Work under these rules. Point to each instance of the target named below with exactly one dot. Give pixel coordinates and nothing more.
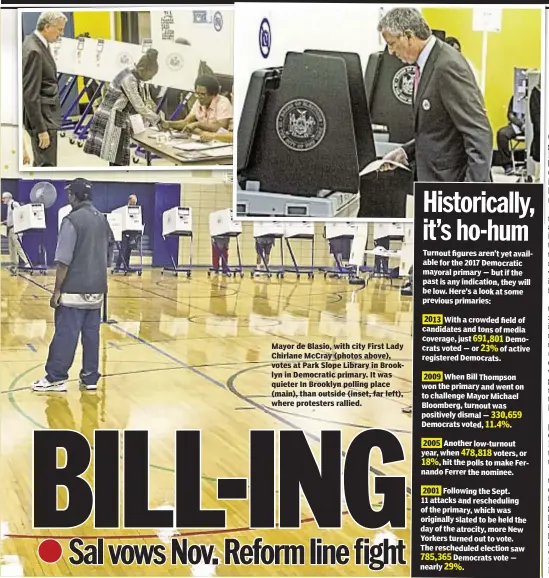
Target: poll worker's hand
(44, 140)
(54, 301)
(191, 127)
(164, 125)
(207, 136)
(396, 156)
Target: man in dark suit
(453, 138)
(41, 105)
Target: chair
(517, 144)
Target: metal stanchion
(105, 318)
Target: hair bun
(152, 54)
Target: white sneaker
(44, 385)
(89, 387)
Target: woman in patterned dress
(110, 132)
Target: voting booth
(131, 223)
(384, 233)
(63, 212)
(131, 218)
(305, 131)
(339, 235)
(274, 230)
(31, 218)
(391, 230)
(390, 89)
(178, 222)
(299, 230)
(358, 250)
(340, 230)
(407, 250)
(297, 131)
(223, 226)
(305, 231)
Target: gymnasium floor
(192, 354)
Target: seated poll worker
(221, 135)
(453, 137)
(111, 130)
(210, 112)
(513, 129)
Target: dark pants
(125, 253)
(381, 264)
(44, 157)
(220, 253)
(70, 323)
(504, 138)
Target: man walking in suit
(453, 138)
(41, 104)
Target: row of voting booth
(308, 130)
(383, 234)
(177, 221)
(98, 62)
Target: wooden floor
(191, 354)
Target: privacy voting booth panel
(365, 147)
(222, 224)
(269, 229)
(115, 223)
(131, 217)
(297, 132)
(102, 60)
(337, 230)
(31, 217)
(177, 221)
(390, 89)
(210, 33)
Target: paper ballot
(376, 165)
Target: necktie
(416, 79)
